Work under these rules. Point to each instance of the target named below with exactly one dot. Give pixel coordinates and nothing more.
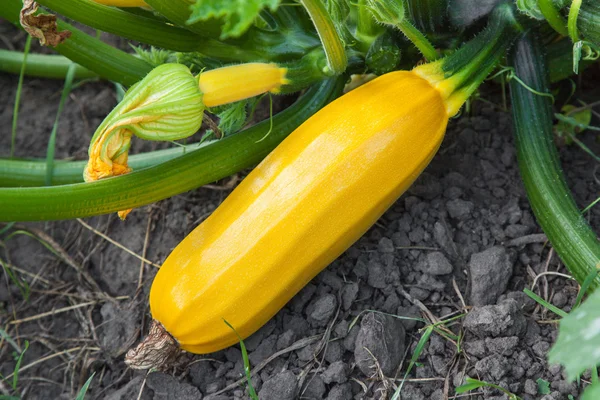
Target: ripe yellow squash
(305, 204)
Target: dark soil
(462, 241)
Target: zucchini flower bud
(239, 82)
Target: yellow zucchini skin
(299, 209)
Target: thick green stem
(337, 61)
(550, 198)
(89, 52)
(552, 15)
(207, 164)
(125, 24)
(458, 75)
(31, 173)
(418, 39)
(572, 21)
(146, 30)
(41, 65)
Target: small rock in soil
(282, 386)
(166, 387)
(315, 388)
(286, 339)
(130, 391)
(489, 273)
(202, 373)
(340, 392)
(459, 209)
(505, 319)
(503, 345)
(349, 295)
(531, 387)
(494, 366)
(119, 329)
(386, 245)
(383, 336)
(336, 372)
(321, 311)
(265, 349)
(438, 264)
(256, 338)
(377, 275)
(476, 348)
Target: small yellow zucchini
(305, 204)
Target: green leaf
(543, 386)
(232, 117)
(577, 345)
(592, 392)
(238, 15)
(471, 384)
(85, 387)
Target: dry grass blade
(119, 245)
(60, 252)
(51, 356)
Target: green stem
(337, 61)
(194, 169)
(367, 30)
(41, 65)
(15, 118)
(145, 30)
(50, 151)
(91, 53)
(572, 21)
(31, 173)
(553, 205)
(552, 15)
(418, 39)
(458, 75)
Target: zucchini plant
(352, 155)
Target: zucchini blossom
(165, 105)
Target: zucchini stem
(552, 15)
(418, 39)
(41, 65)
(458, 75)
(572, 21)
(337, 61)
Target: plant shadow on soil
(466, 216)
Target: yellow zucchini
(305, 204)
(309, 200)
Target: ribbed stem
(572, 21)
(418, 39)
(89, 52)
(458, 75)
(550, 198)
(337, 61)
(41, 65)
(553, 17)
(194, 169)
